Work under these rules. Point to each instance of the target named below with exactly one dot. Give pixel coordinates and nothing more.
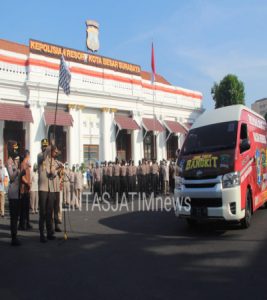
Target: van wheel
(191, 223)
(246, 221)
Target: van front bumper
(212, 202)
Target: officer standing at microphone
(46, 186)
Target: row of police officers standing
(119, 179)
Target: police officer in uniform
(46, 187)
(13, 170)
(139, 182)
(148, 179)
(143, 172)
(109, 178)
(66, 185)
(25, 187)
(104, 179)
(116, 179)
(134, 172)
(154, 174)
(130, 177)
(97, 180)
(123, 173)
(58, 179)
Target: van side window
(243, 132)
(244, 139)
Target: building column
(80, 134)
(35, 131)
(74, 145)
(2, 124)
(161, 146)
(104, 138)
(108, 138)
(112, 131)
(135, 148)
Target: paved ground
(136, 255)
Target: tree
(229, 91)
(265, 117)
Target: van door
(246, 160)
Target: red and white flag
(153, 67)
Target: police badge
(92, 35)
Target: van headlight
(231, 180)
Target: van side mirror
(244, 145)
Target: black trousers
(142, 184)
(46, 207)
(24, 218)
(116, 185)
(130, 183)
(104, 184)
(154, 183)
(109, 185)
(97, 188)
(14, 210)
(134, 183)
(123, 187)
(56, 207)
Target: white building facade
(113, 109)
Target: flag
(64, 76)
(153, 77)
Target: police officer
(58, 180)
(154, 176)
(116, 179)
(139, 171)
(66, 185)
(104, 177)
(134, 172)
(25, 186)
(109, 178)
(143, 172)
(97, 180)
(46, 187)
(13, 170)
(123, 173)
(130, 176)
(148, 175)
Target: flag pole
(153, 76)
(62, 62)
(55, 119)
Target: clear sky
(197, 42)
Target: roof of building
(260, 100)
(14, 47)
(15, 112)
(147, 76)
(23, 49)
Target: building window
(90, 154)
(172, 146)
(150, 148)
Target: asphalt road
(136, 255)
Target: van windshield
(211, 138)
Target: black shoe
(51, 237)
(43, 239)
(57, 229)
(28, 226)
(15, 242)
